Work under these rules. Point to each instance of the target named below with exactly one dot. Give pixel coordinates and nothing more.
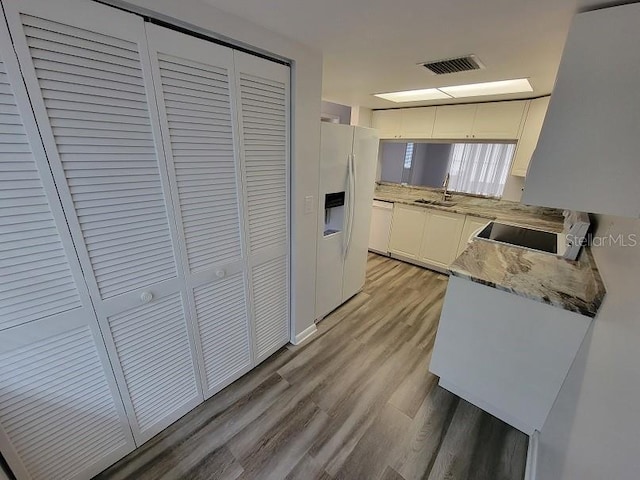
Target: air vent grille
(453, 65)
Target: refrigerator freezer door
(335, 149)
(365, 156)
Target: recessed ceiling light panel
(502, 87)
(414, 95)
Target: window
(477, 168)
(480, 168)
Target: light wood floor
(355, 402)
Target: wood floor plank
(219, 464)
(380, 442)
(356, 401)
(308, 469)
(390, 474)
(423, 439)
(456, 452)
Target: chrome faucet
(446, 195)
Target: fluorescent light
(501, 87)
(414, 95)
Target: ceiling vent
(453, 65)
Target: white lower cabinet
(428, 236)
(406, 230)
(471, 225)
(380, 228)
(440, 237)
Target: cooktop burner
(521, 237)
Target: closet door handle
(146, 297)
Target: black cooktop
(521, 237)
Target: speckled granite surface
(537, 217)
(574, 286)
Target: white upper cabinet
(454, 121)
(387, 122)
(498, 120)
(490, 121)
(530, 135)
(587, 155)
(409, 123)
(417, 122)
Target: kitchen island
(511, 325)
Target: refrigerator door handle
(352, 200)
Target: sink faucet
(446, 195)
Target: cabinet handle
(146, 297)
(221, 273)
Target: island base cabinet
(506, 354)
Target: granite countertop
(574, 286)
(549, 219)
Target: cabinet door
(417, 122)
(499, 120)
(387, 122)
(381, 215)
(87, 71)
(454, 121)
(441, 237)
(263, 116)
(587, 155)
(529, 137)
(406, 230)
(194, 87)
(471, 225)
(61, 414)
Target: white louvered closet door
(263, 116)
(61, 415)
(195, 90)
(88, 75)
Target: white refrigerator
(348, 161)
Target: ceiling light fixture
(414, 95)
(501, 87)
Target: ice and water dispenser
(333, 213)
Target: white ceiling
(372, 46)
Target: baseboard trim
(303, 335)
(531, 471)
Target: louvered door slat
(224, 331)
(266, 185)
(220, 204)
(89, 78)
(25, 207)
(103, 57)
(263, 117)
(57, 407)
(271, 305)
(161, 354)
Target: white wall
(306, 85)
(593, 430)
(342, 112)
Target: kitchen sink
(435, 203)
